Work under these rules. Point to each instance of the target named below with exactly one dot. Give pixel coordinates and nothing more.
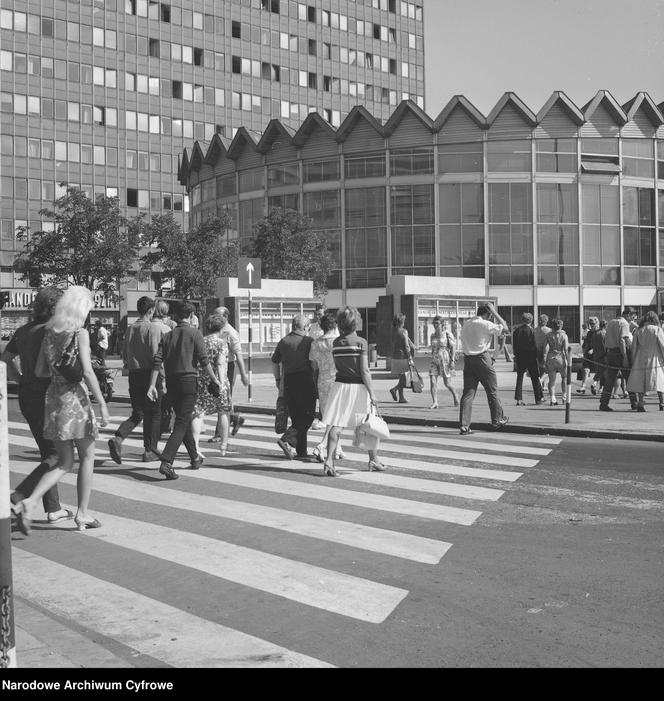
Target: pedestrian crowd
(177, 375)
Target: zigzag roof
(221, 147)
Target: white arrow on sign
(250, 270)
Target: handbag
(281, 415)
(214, 389)
(69, 365)
(416, 381)
(374, 425)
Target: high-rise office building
(105, 94)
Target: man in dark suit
(525, 353)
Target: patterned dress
(442, 355)
(321, 353)
(68, 413)
(206, 403)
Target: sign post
(249, 276)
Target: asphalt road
(557, 563)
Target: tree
(290, 250)
(193, 259)
(89, 245)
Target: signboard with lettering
(23, 299)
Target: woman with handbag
(69, 419)
(442, 359)
(351, 397)
(402, 354)
(218, 401)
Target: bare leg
(197, 425)
(563, 383)
(552, 385)
(433, 382)
(86, 457)
(332, 446)
(65, 451)
(222, 427)
(447, 381)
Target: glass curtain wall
(324, 208)
(366, 237)
(412, 229)
(510, 234)
(600, 216)
(461, 215)
(557, 234)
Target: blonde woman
(69, 419)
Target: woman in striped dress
(352, 395)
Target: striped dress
(348, 402)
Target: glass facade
(106, 94)
(534, 213)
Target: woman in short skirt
(352, 395)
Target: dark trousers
(300, 392)
(143, 409)
(182, 391)
(614, 360)
(31, 402)
(527, 363)
(231, 381)
(478, 369)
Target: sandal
(91, 523)
(317, 452)
(215, 439)
(328, 470)
(64, 515)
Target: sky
(484, 48)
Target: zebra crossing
(271, 536)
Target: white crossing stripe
(441, 432)
(450, 514)
(315, 586)
(391, 461)
(146, 625)
(390, 446)
(378, 540)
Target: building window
(556, 155)
(638, 158)
(600, 156)
(460, 158)
(600, 231)
(557, 234)
(510, 234)
(411, 161)
(639, 241)
(412, 230)
(320, 171)
(366, 237)
(509, 156)
(154, 48)
(236, 31)
(372, 166)
(461, 215)
(283, 174)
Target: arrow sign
(249, 273)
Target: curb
(446, 423)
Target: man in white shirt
(102, 341)
(476, 337)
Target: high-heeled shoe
(317, 452)
(328, 470)
(222, 449)
(376, 465)
(393, 392)
(340, 456)
(82, 524)
(434, 405)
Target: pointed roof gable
(510, 99)
(358, 113)
(274, 131)
(197, 157)
(559, 99)
(241, 140)
(217, 149)
(405, 108)
(461, 103)
(183, 169)
(644, 103)
(311, 124)
(606, 100)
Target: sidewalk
(585, 419)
